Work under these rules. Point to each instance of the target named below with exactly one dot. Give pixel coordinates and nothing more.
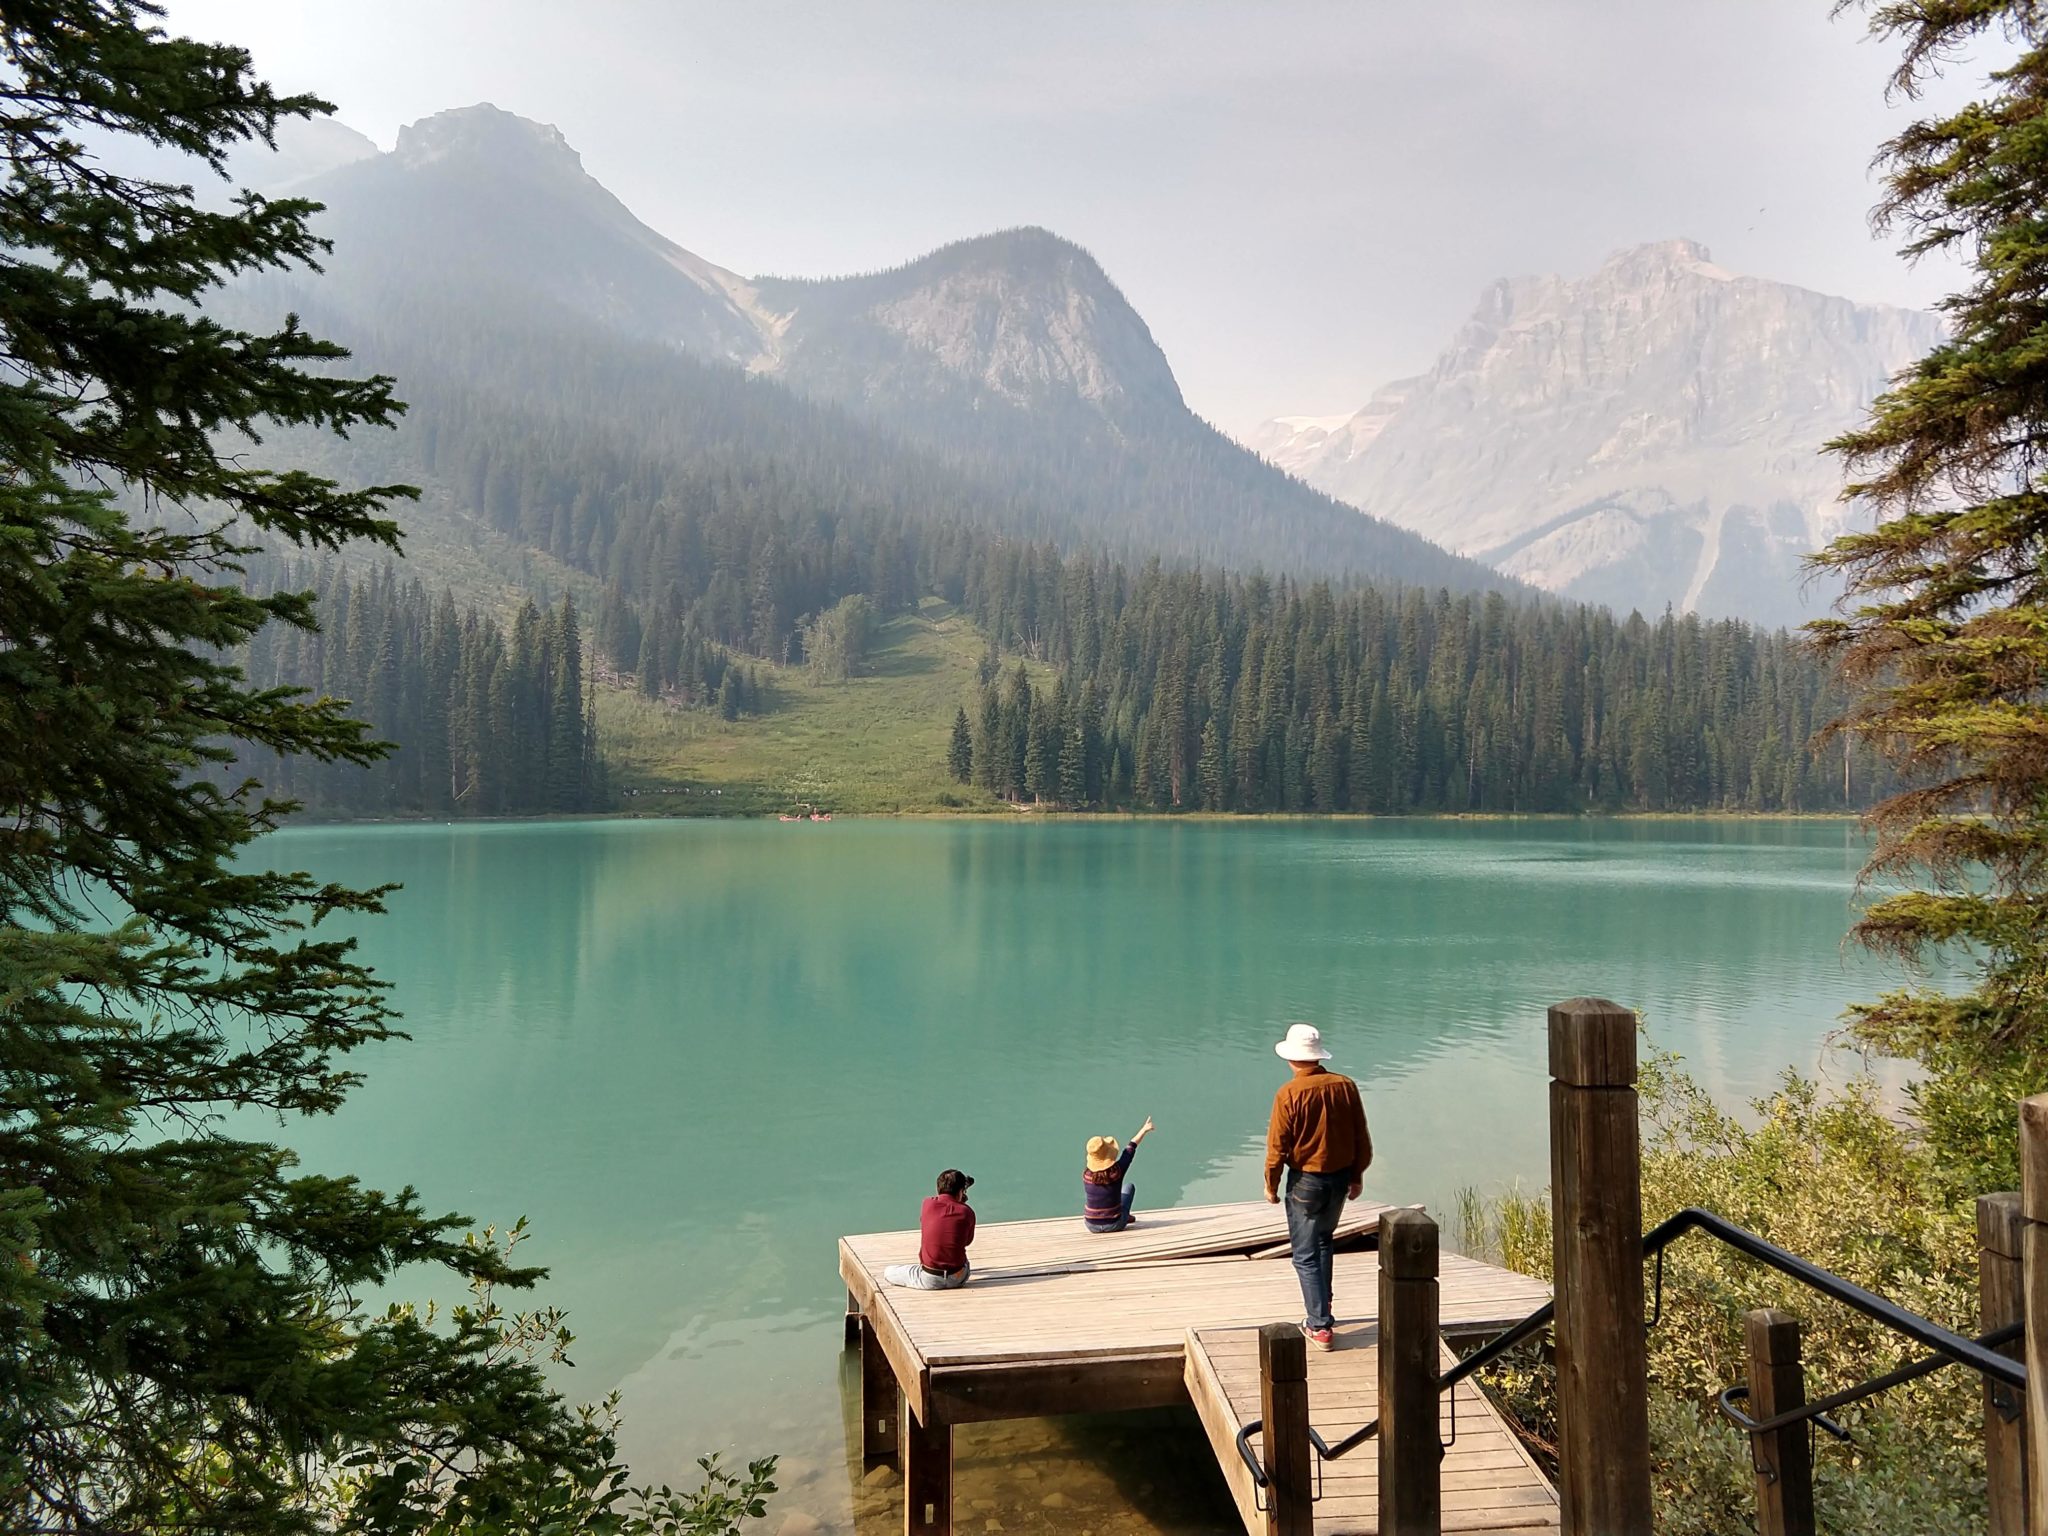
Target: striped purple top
(1102, 1193)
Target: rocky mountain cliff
(1011, 357)
(1021, 319)
(1646, 435)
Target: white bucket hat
(1304, 1042)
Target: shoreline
(1014, 813)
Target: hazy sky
(1303, 199)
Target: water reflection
(695, 1053)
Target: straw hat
(1102, 1152)
(1304, 1042)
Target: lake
(694, 1053)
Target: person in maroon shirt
(945, 1228)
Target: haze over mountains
(1648, 434)
(1007, 368)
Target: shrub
(1835, 1179)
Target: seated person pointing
(945, 1228)
(1105, 1197)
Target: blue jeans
(1315, 1202)
(1119, 1221)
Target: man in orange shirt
(1318, 1135)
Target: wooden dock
(1058, 1320)
(1490, 1483)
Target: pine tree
(960, 754)
(988, 742)
(1947, 640)
(1146, 776)
(1211, 770)
(1016, 732)
(564, 782)
(1041, 752)
(1074, 768)
(1326, 764)
(179, 1344)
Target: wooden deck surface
(1058, 1320)
(1489, 1482)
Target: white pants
(917, 1278)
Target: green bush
(1831, 1177)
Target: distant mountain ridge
(1011, 356)
(1644, 435)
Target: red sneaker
(1322, 1338)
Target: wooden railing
(1600, 1324)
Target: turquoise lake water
(694, 1053)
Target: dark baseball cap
(954, 1182)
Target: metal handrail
(1497, 1346)
(1953, 1347)
(1260, 1481)
(1819, 1409)
(1949, 1348)
(1812, 1411)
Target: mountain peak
(1019, 316)
(1649, 433)
(1662, 258)
(485, 132)
(1022, 246)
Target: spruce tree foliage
(960, 751)
(181, 1344)
(1945, 633)
(1249, 695)
(487, 721)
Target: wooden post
(2034, 1300)
(1411, 1448)
(853, 1321)
(927, 1478)
(1783, 1459)
(1283, 1413)
(1999, 1296)
(881, 1409)
(1603, 1413)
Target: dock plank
(1490, 1483)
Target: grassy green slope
(875, 744)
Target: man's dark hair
(953, 1182)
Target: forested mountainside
(1180, 691)
(696, 530)
(701, 513)
(1009, 362)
